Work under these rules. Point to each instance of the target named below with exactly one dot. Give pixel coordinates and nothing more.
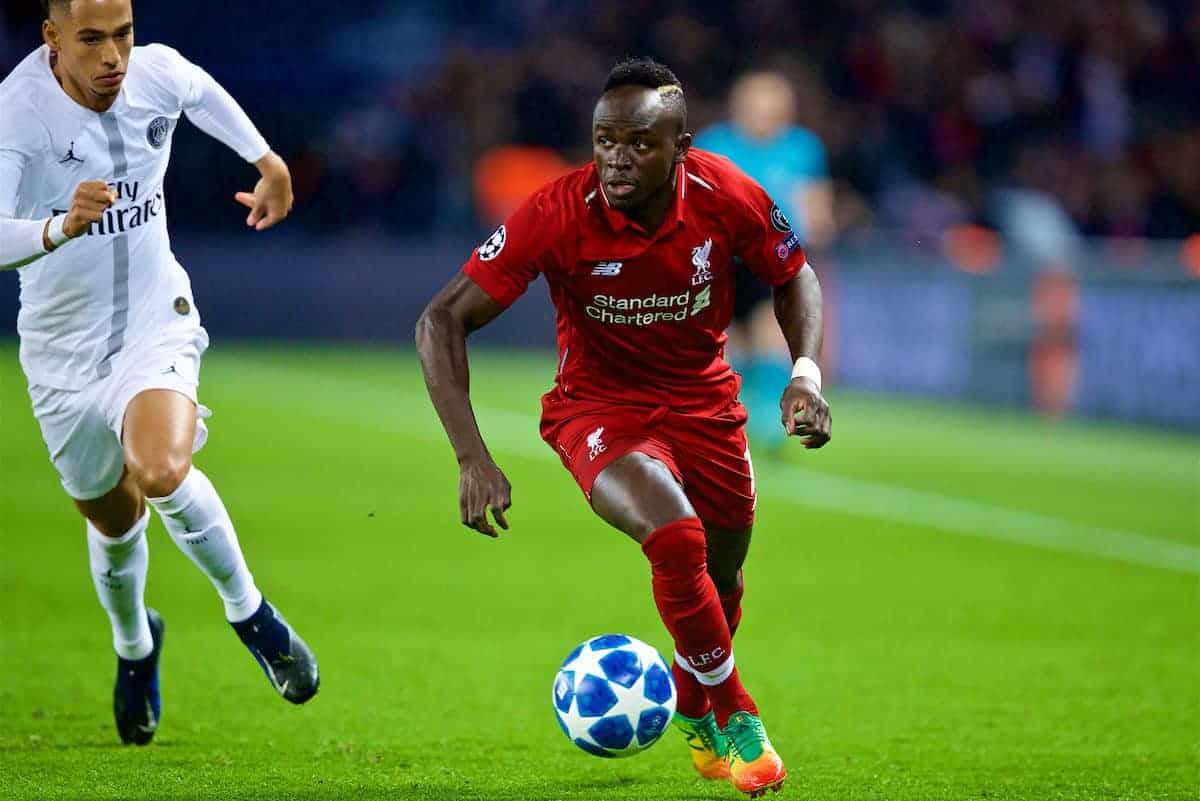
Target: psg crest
(779, 220)
(156, 134)
(494, 244)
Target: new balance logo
(607, 268)
(70, 156)
(595, 446)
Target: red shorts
(707, 453)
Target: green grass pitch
(945, 603)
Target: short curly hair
(647, 72)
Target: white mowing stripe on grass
(973, 518)
(518, 433)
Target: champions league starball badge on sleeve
(494, 244)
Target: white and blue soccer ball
(614, 696)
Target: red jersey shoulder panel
(765, 240)
(540, 234)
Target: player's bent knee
(162, 475)
(676, 550)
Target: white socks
(196, 519)
(119, 573)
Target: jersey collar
(620, 224)
(68, 104)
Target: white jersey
(119, 285)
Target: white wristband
(55, 232)
(807, 368)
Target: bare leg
(726, 552)
(638, 494)
(727, 549)
(160, 425)
(115, 513)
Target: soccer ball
(614, 696)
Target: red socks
(689, 605)
(691, 699)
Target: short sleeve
(512, 257)
(770, 247)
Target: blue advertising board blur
(1127, 347)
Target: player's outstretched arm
(458, 309)
(214, 111)
(271, 200)
(804, 411)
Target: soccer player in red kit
(639, 251)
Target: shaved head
(52, 7)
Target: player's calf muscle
(727, 551)
(727, 580)
(115, 512)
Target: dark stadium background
(1017, 184)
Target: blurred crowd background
(929, 109)
(1054, 146)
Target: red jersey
(641, 315)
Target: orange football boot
(754, 766)
(709, 748)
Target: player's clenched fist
(91, 200)
(805, 413)
(482, 485)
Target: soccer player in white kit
(110, 336)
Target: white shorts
(82, 428)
